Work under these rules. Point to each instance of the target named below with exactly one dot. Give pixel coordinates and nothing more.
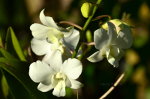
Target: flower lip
(60, 76)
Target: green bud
(86, 9)
(89, 36)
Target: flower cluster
(57, 69)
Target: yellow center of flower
(58, 78)
(54, 35)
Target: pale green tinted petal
(113, 61)
(54, 35)
(95, 57)
(48, 21)
(40, 47)
(75, 84)
(54, 58)
(107, 52)
(113, 56)
(124, 39)
(59, 90)
(47, 81)
(39, 71)
(114, 51)
(111, 33)
(68, 82)
(100, 38)
(44, 88)
(72, 40)
(72, 68)
(39, 31)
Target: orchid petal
(75, 84)
(59, 90)
(113, 61)
(40, 47)
(44, 88)
(68, 83)
(113, 56)
(39, 31)
(124, 39)
(54, 35)
(101, 38)
(72, 68)
(97, 56)
(48, 21)
(39, 71)
(111, 33)
(72, 40)
(54, 58)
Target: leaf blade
(11, 35)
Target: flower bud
(89, 36)
(86, 9)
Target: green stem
(85, 27)
(77, 95)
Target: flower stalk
(85, 27)
(112, 87)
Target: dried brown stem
(102, 16)
(90, 43)
(72, 24)
(112, 87)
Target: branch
(89, 43)
(102, 16)
(70, 23)
(112, 87)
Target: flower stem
(77, 95)
(85, 27)
(70, 23)
(112, 87)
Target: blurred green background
(96, 77)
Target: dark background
(98, 77)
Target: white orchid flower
(56, 75)
(50, 37)
(111, 43)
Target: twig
(70, 23)
(89, 43)
(112, 87)
(100, 17)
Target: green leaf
(12, 39)
(16, 90)
(1, 43)
(7, 55)
(19, 70)
(4, 86)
